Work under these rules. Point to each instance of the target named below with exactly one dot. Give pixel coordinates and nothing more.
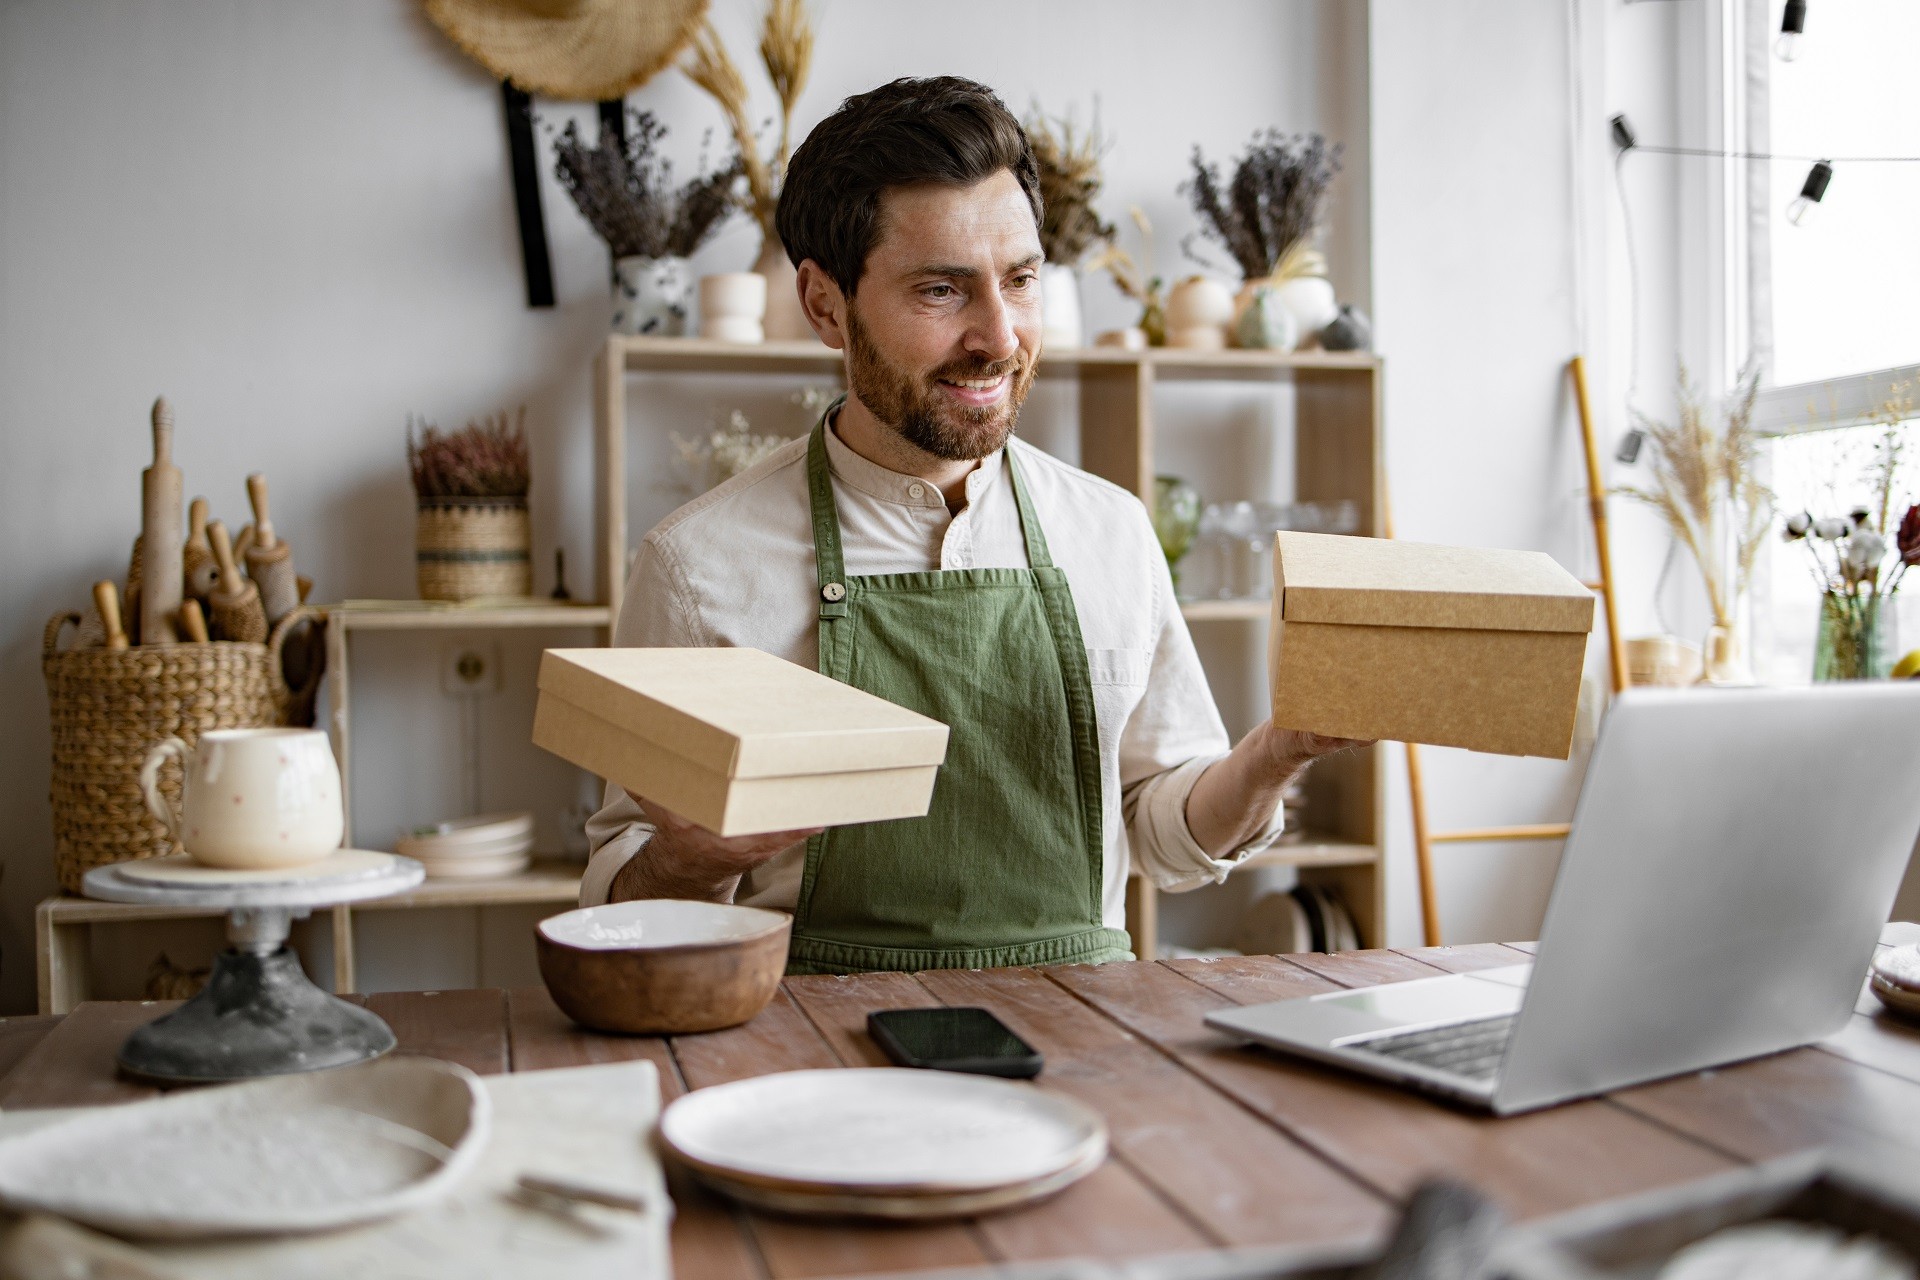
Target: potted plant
(1069, 164)
(1859, 561)
(625, 190)
(472, 536)
(1266, 218)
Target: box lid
(1378, 582)
(741, 712)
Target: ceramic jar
(1311, 300)
(1199, 310)
(650, 296)
(251, 798)
(785, 321)
(1263, 322)
(1061, 324)
(733, 306)
(1348, 331)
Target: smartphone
(943, 1039)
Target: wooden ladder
(1423, 837)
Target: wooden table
(1214, 1146)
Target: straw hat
(583, 50)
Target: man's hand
(1236, 797)
(685, 860)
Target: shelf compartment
(1316, 851)
(1225, 610)
(429, 615)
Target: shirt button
(833, 591)
(916, 491)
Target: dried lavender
(485, 459)
(1273, 204)
(628, 196)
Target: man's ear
(825, 305)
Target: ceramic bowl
(662, 966)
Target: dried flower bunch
(786, 50)
(1136, 278)
(1849, 553)
(485, 459)
(1069, 161)
(1706, 488)
(1266, 216)
(628, 196)
(726, 452)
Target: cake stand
(258, 1015)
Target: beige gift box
(1453, 646)
(737, 740)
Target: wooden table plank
(18, 1036)
(1880, 1041)
(1197, 1151)
(709, 1237)
(838, 1007)
(468, 1027)
(73, 1065)
(782, 1039)
(1467, 957)
(1390, 1138)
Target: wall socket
(468, 670)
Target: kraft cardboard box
(737, 740)
(1409, 642)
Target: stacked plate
(491, 844)
(1896, 980)
(884, 1143)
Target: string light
(1793, 28)
(1811, 190)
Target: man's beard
(915, 408)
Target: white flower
(1798, 524)
(1830, 528)
(1864, 552)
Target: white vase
(732, 306)
(785, 321)
(650, 296)
(1311, 300)
(1061, 324)
(1262, 322)
(1199, 309)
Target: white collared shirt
(736, 567)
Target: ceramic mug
(252, 798)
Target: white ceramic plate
(951, 1204)
(882, 1132)
(474, 868)
(182, 869)
(658, 922)
(463, 848)
(481, 828)
(289, 1153)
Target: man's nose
(990, 333)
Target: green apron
(1006, 867)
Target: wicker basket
(109, 707)
(471, 547)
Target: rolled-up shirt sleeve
(655, 613)
(1173, 736)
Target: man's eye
(1023, 281)
(939, 292)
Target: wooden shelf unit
(1337, 437)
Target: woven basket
(471, 547)
(109, 707)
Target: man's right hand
(685, 860)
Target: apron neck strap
(830, 563)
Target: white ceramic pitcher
(252, 798)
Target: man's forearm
(1235, 799)
(645, 877)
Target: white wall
(294, 220)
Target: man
(912, 548)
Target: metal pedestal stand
(258, 1015)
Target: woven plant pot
(109, 707)
(471, 547)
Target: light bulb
(1793, 21)
(1787, 47)
(1799, 209)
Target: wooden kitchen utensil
(197, 556)
(235, 601)
(162, 575)
(269, 559)
(106, 598)
(193, 622)
(130, 594)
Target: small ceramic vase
(1264, 322)
(1198, 312)
(650, 296)
(785, 321)
(1060, 320)
(1134, 339)
(1723, 661)
(1349, 331)
(1311, 300)
(732, 307)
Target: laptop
(1733, 856)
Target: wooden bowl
(661, 966)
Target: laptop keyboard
(1470, 1049)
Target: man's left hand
(1290, 750)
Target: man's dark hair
(942, 130)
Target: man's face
(943, 332)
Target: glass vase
(1856, 639)
(1176, 518)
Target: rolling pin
(269, 559)
(193, 623)
(197, 555)
(162, 576)
(106, 598)
(235, 602)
